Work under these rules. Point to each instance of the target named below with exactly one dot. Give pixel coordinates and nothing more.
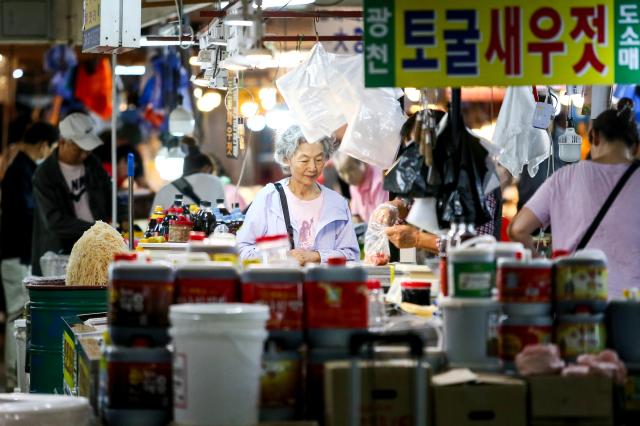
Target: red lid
(583, 309)
(337, 261)
(415, 284)
(271, 238)
(197, 236)
(181, 222)
(125, 256)
(374, 285)
(560, 253)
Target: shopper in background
(319, 217)
(570, 200)
(231, 195)
(197, 180)
(71, 190)
(365, 185)
(16, 225)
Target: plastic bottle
(446, 243)
(220, 206)
(377, 314)
(172, 215)
(466, 231)
(178, 200)
(206, 219)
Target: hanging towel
(519, 141)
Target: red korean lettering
(509, 49)
(590, 22)
(548, 45)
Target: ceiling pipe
(290, 14)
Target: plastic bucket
(471, 332)
(471, 272)
(217, 362)
(48, 304)
(18, 409)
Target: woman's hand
(305, 256)
(403, 236)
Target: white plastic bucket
(217, 362)
(471, 332)
(17, 409)
(20, 333)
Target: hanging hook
(315, 20)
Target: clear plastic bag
(376, 243)
(307, 92)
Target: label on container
(471, 279)
(206, 291)
(580, 338)
(514, 338)
(69, 357)
(336, 305)
(284, 300)
(224, 257)
(581, 282)
(137, 385)
(180, 390)
(140, 303)
(280, 382)
(524, 285)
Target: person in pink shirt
(365, 185)
(570, 200)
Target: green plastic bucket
(48, 304)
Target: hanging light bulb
(197, 92)
(257, 123)
(279, 119)
(412, 94)
(249, 109)
(209, 101)
(268, 98)
(181, 121)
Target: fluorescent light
(234, 64)
(267, 4)
(18, 73)
(130, 69)
(145, 42)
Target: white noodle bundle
(92, 254)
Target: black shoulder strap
(285, 211)
(607, 204)
(185, 188)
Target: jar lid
(337, 261)
(415, 284)
(560, 253)
(181, 222)
(197, 236)
(374, 285)
(125, 256)
(271, 238)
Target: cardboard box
(463, 398)
(88, 378)
(387, 392)
(584, 401)
(75, 327)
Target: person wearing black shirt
(16, 226)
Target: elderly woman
(319, 217)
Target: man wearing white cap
(71, 190)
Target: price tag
(543, 115)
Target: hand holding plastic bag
(376, 243)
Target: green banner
(627, 41)
(379, 39)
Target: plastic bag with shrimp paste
(376, 243)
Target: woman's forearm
(427, 241)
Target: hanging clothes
(93, 86)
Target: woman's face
(307, 163)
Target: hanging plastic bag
(376, 243)
(373, 134)
(306, 91)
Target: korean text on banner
(500, 42)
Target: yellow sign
(91, 14)
(422, 43)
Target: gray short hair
(288, 141)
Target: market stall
(218, 315)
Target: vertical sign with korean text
(627, 41)
(500, 42)
(91, 24)
(232, 105)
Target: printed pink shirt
(569, 201)
(369, 194)
(305, 215)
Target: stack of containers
(471, 314)
(281, 289)
(336, 304)
(524, 289)
(136, 369)
(580, 285)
